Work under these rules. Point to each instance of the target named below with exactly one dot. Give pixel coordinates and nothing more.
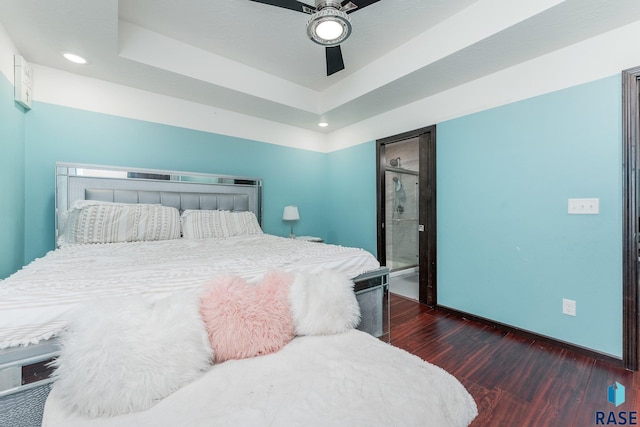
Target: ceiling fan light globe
(329, 30)
(329, 27)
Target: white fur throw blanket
(138, 362)
(122, 355)
(344, 380)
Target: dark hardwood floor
(515, 381)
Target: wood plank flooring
(515, 381)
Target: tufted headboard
(182, 190)
(179, 200)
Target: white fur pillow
(123, 355)
(323, 303)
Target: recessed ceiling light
(323, 124)
(74, 58)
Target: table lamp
(291, 214)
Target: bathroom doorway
(407, 212)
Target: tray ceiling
(256, 59)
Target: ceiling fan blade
(358, 3)
(289, 4)
(334, 59)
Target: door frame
(427, 214)
(630, 144)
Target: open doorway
(406, 210)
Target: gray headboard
(182, 190)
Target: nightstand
(310, 239)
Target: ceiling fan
(329, 24)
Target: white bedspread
(348, 380)
(34, 301)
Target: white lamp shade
(290, 213)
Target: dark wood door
(427, 218)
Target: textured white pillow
(205, 224)
(323, 303)
(103, 222)
(158, 222)
(124, 355)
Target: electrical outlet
(568, 307)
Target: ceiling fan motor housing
(321, 4)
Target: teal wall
(335, 193)
(507, 248)
(55, 133)
(12, 172)
(351, 183)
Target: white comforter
(34, 301)
(348, 380)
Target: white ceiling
(256, 59)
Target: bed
(307, 380)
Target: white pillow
(205, 224)
(323, 303)
(158, 222)
(103, 222)
(123, 355)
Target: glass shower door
(401, 225)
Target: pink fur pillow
(245, 320)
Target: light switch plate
(584, 206)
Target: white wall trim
(596, 58)
(200, 64)
(7, 50)
(71, 90)
(433, 45)
(602, 56)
